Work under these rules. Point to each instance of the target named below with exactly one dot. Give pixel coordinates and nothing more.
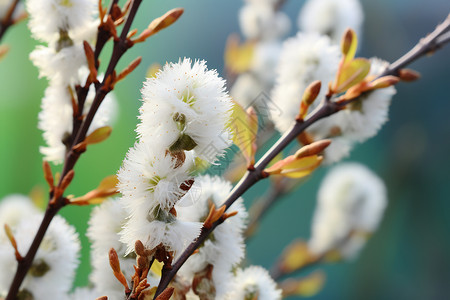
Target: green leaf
(244, 127)
(351, 74)
(98, 135)
(349, 44)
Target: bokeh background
(408, 258)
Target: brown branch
(53, 207)
(8, 19)
(325, 108)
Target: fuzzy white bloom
(105, 224)
(48, 18)
(13, 209)
(224, 248)
(265, 61)
(331, 17)
(253, 282)
(246, 89)
(186, 107)
(61, 65)
(150, 180)
(263, 22)
(368, 114)
(85, 293)
(304, 59)
(351, 202)
(53, 269)
(55, 118)
(174, 234)
(360, 121)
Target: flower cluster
(63, 26)
(331, 17)
(350, 205)
(53, 270)
(263, 25)
(183, 122)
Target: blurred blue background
(408, 258)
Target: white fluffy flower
(47, 18)
(303, 59)
(150, 180)
(55, 118)
(368, 114)
(173, 234)
(53, 269)
(263, 22)
(186, 107)
(246, 89)
(253, 282)
(331, 17)
(351, 202)
(60, 66)
(84, 293)
(265, 61)
(105, 224)
(14, 209)
(360, 121)
(225, 246)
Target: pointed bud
(310, 94)
(101, 11)
(383, 82)
(90, 57)
(12, 239)
(312, 149)
(48, 174)
(115, 266)
(67, 180)
(408, 75)
(349, 44)
(139, 248)
(133, 65)
(160, 23)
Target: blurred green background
(408, 258)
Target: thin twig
(71, 159)
(8, 19)
(326, 108)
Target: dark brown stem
(120, 47)
(72, 158)
(325, 108)
(8, 19)
(25, 264)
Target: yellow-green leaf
(294, 167)
(295, 256)
(351, 74)
(238, 58)
(98, 135)
(244, 128)
(106, 188)
(108, 183)
(349, 44)
(157, 268)
(304, 287)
